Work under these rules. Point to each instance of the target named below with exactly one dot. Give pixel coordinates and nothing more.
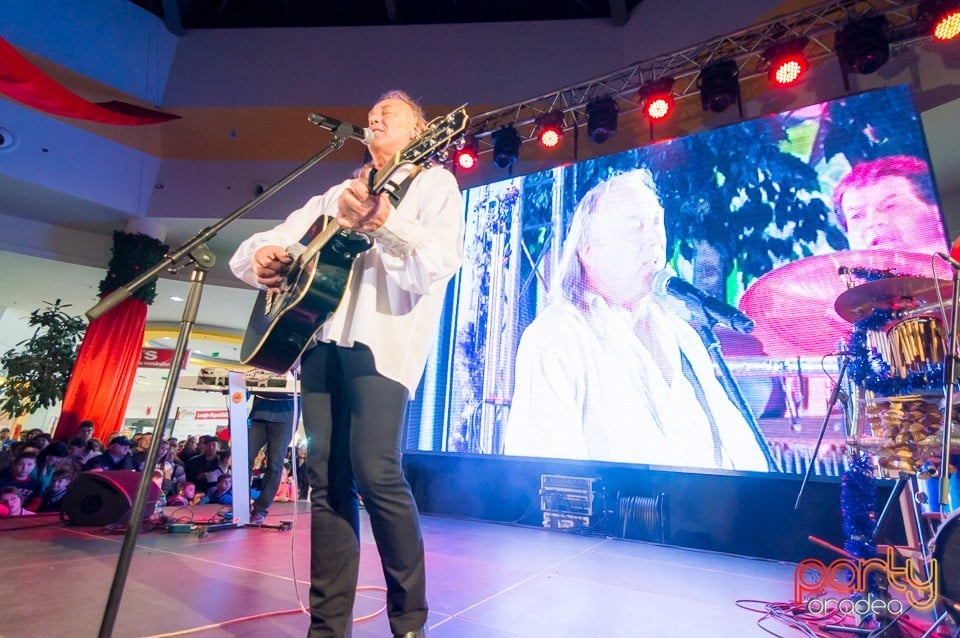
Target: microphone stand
(730, 384)
(949, 381)
(195, 250)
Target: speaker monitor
(105, 498)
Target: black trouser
(277, 438)
(352, 416)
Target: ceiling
(227, 14)
(242, 92)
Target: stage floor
(483, 579)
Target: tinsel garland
(858, 496)
(133, 253)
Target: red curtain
(22, 81)
(106, 367)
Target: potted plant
(38, 368)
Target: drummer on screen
(889, 204)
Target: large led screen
(676, 305)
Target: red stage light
(941, 18)
(657, 99)
(466, 156)
(549, 129)
(788, 71)
(947, 27)
(787, 62)
(658, 107)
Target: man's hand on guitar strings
(358, 210)
(269, 265)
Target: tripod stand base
(205, 529)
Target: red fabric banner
(24, 82)
(106, 367)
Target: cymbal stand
(834, 397)
(195, 250)
(949, 382)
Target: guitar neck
(320, 240)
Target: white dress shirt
(610, 386)
(394, 299)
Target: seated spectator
(140, 446)
(205, 468)
(85, 430)
(11, 501)
(186, 495)
(77, 449)
(93, 448)
(172, 468)
(53, 496)
(19, 477)
(222, 492)
(189, 450)
(117, 457)
(5, 438)
(39, 439)
(50, 459)
(285, 491)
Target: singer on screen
(610, 370)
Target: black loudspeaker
(105, 498)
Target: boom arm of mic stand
(203, 260)
(173, 259)
(733, 388)
(949, 382)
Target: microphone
(954, 256)
(666, 282)
(342, 129)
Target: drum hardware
(949, 381)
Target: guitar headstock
(436, 136)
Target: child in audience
(53, 496)
(186, 495)
(10, 499)
(222, 492)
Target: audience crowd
(36, 471)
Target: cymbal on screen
(794, 305)
(891, 295)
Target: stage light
(941, 18)
(657, 98)
(719, 85)
(787, 62)
(466, 156)
(862, 46)
(602, 114)
(506, 146)
(549, 129)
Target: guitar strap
(396, 190)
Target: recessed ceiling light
(7, 140)
(175, 298)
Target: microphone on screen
(665, 282)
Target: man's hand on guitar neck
(361, 211)
(269, 264)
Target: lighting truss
(818, 23)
